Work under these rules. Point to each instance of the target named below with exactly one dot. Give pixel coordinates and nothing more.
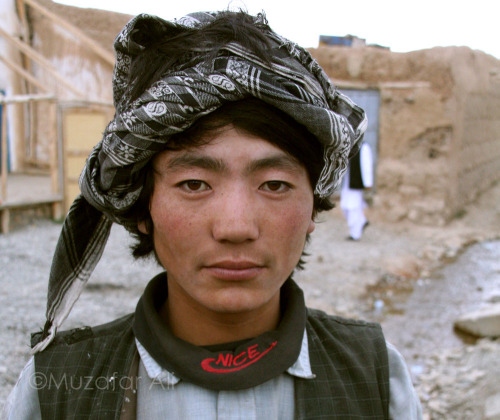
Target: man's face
(230, 220)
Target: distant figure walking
(359, 178)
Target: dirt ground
(370, 279)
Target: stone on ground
(482, 323)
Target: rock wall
(439, 146)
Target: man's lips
(234, 270)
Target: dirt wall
(478, 98)
(439, 146)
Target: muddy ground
(390, 276)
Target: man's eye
(194, 185)
(275, 186)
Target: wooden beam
(4, 148)
(23, 73)
(23, 203)
(4, 220)
(42, 61)
(27, 148)
(21, 12)
(85, 39)
(17, 99)
(55, 157)
(60, 164)
(405, 85)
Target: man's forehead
(195, 159)
(228, 146)
(223, 160)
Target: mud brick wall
(439, 125)
(479, 153)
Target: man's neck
(204, 329)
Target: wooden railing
(55, 197)
(52, 121)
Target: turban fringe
(112, 179)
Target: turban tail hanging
(113, 176)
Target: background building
(434, 115)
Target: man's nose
(235, 217)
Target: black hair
(180, 45)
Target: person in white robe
(358, 180)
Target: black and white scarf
(113, 176)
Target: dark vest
(355, 177)
(87, 371)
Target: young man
(227, 141)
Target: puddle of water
(421, 320)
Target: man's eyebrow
(190, 160)
(281, 161)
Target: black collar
(230, 366)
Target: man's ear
(310, 229)
(141, 225)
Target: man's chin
(236, 302)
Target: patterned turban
(114, 174)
